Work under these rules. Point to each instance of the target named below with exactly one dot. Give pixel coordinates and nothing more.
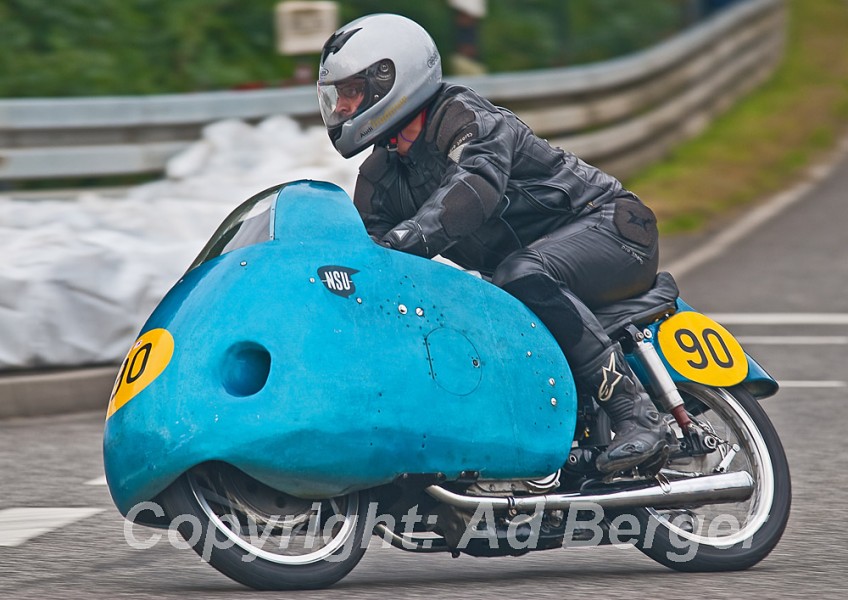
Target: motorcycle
(302, 389)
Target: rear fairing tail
(756, 381)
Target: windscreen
(249, 224)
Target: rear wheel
(264, 538)
(723, 537)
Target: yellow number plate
(702, 350)
(145, 361)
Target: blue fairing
(395, 365)
(758, 382)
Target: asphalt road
(780, 288)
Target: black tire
(734, 413)
(217, 500)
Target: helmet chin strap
(413, 128)
(406, 139)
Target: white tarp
(78, 278)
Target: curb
(56, 392)
(709, 245)
(706, 245)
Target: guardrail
(620, 114)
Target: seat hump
(659, 300)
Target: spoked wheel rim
(270, 524)
(724, 525)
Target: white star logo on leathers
(611, 379)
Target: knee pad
(551, 303)
(517, 265)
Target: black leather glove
(407, 237)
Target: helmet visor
(342, 100)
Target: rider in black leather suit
(451, 174)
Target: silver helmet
(375, 73)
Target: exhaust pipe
(709, 489)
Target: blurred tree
(600, 29)
(89, 47)
(524, 34)
(96, 47)
(519, 35)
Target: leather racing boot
(641, 436)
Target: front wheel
(264, 538)
(723, 537)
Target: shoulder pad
(448, 121)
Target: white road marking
(811, 384)
(98, 481)
(793, 340)
(780, 318)
(18, 525)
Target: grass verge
(769, 138)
